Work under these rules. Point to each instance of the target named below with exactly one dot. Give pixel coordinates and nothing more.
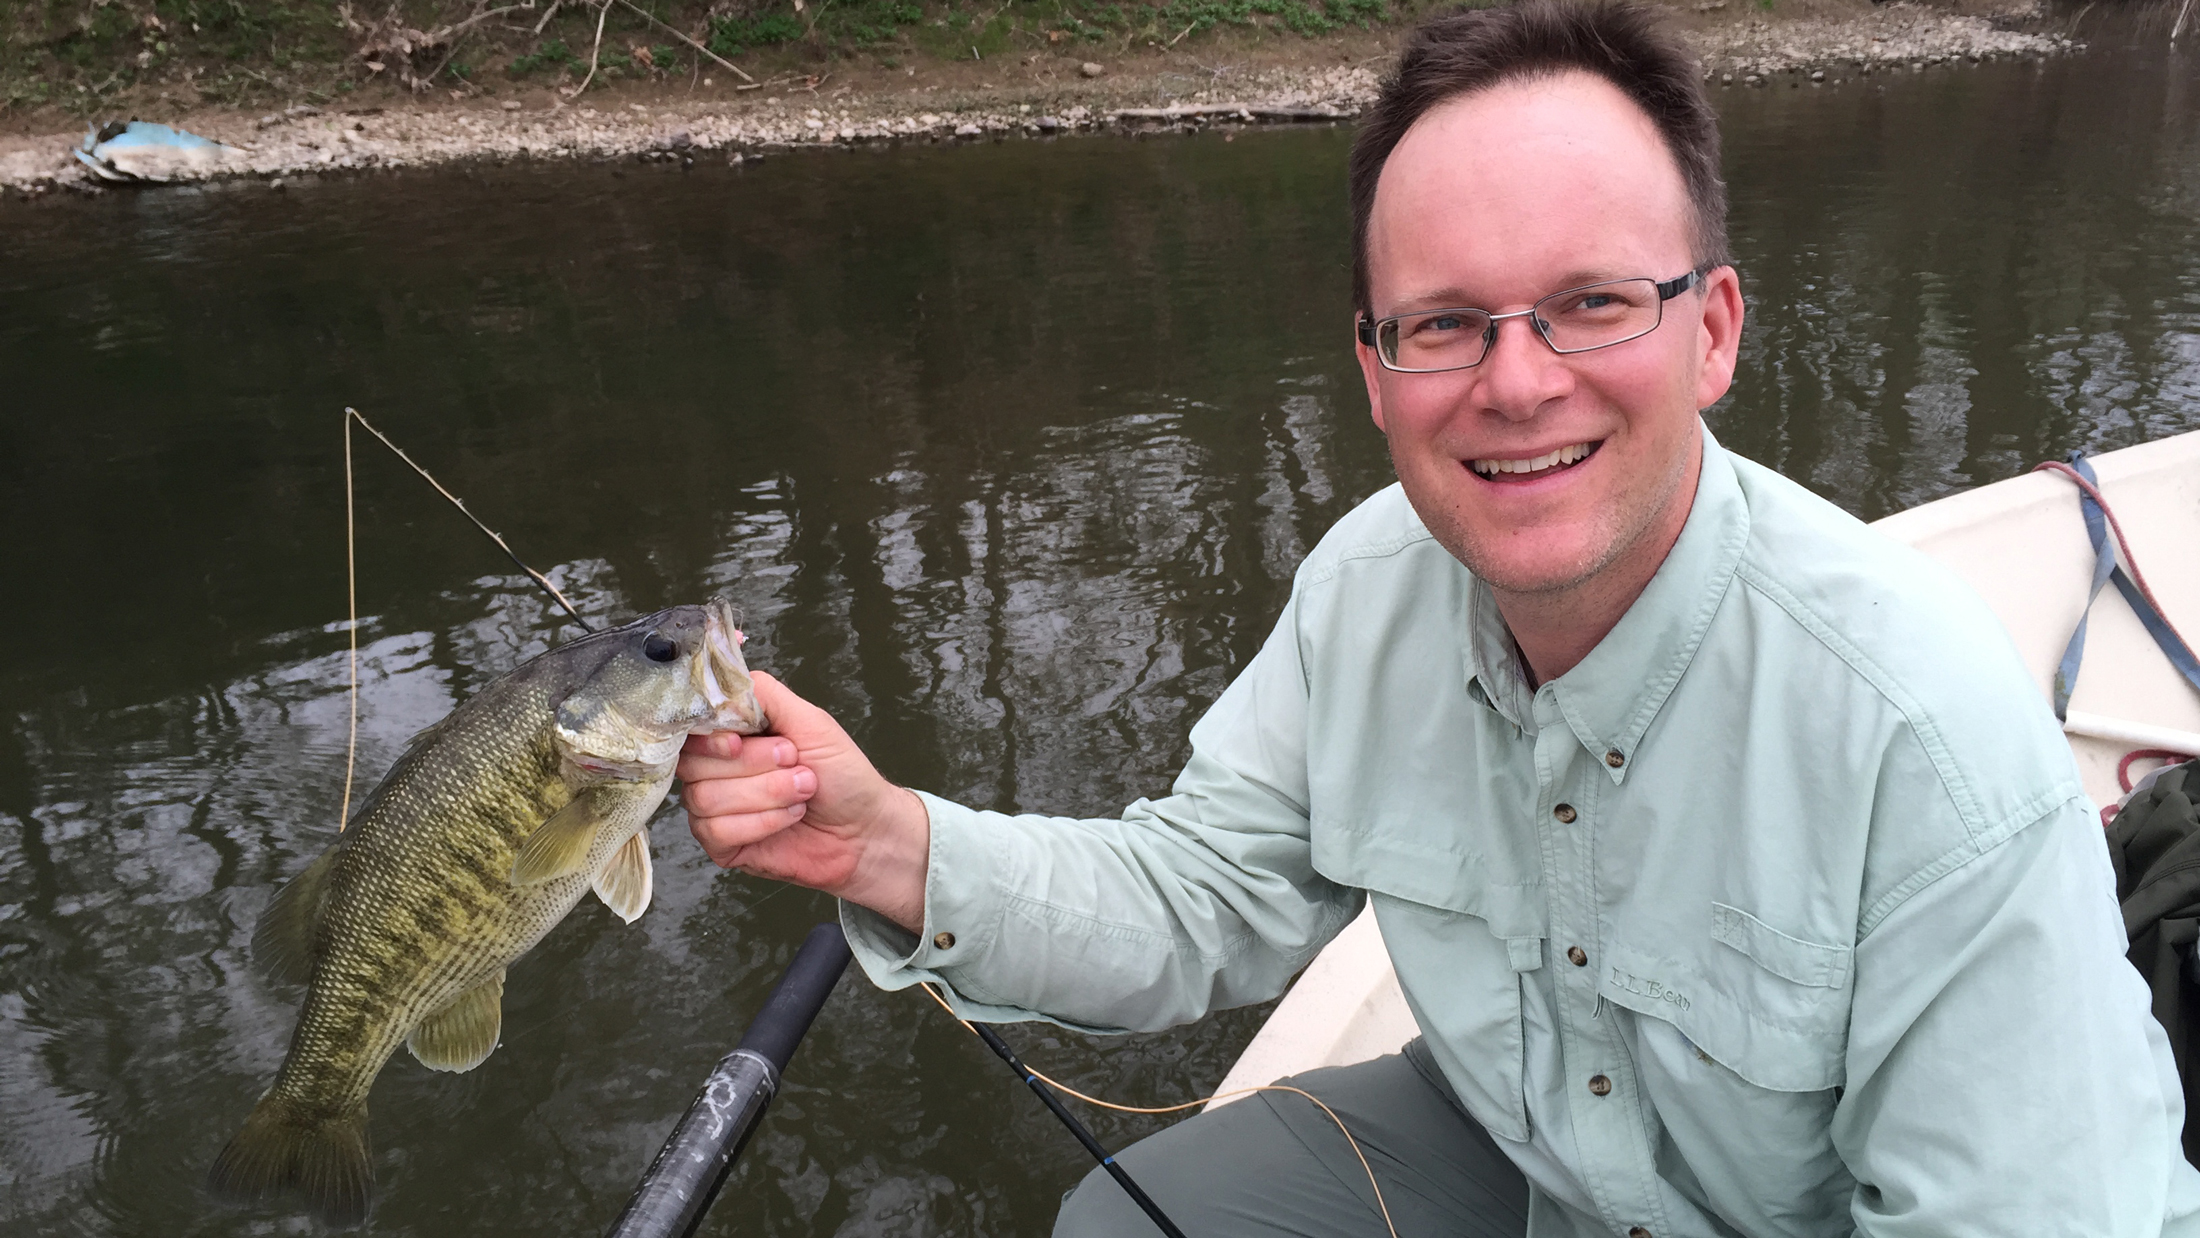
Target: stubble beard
(1620, 527)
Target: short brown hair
(1472, 49)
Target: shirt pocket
(1461, 940)
(1769, 1006)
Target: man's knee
(1098, 1208)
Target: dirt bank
(1227, 79)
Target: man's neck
(1556, 629)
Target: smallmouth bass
(484, 834)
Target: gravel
(1740, 51)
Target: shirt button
(1615, 760)
(945, 941)
(1577, 956)
(1599, 1085)
(1564, 813)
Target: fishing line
(1107, 1162)
(351, 585)
(352, 414)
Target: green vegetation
(84, 54)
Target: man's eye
(1440, 322)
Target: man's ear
(1371, 370)
(1720, 341)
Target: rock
(1818, 75)
(1048, 124)
(1092, 68)
(967, 131)
(511, 105)
(277, 183)
(681, 140)
(269, 121)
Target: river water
(1007, 450)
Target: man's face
(1493, 201)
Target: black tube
(1054, 1104)
(677, 1190)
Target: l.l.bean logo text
(1649, 988)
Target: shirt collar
(1610, 698)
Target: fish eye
(658, 647)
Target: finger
(757, 756)
(724, 744)
(717, 797)
(722, 836)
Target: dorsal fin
(282, 941)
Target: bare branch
(730, 66)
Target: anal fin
(282, 940)
(559, 847)
(624, 883)
(462, 1034)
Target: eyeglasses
(1576, 320)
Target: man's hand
(803, 804)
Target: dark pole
(678, 1188)
(1054, 1104)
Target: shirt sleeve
(2005, 1074)
(1200, 901)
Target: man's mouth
(1533, 467)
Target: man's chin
(1543, 567)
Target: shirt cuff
(971, 861)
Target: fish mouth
(722, 677)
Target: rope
(2123, 767)
(2137, 577)
(1380, 1202)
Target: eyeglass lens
(1575, 320)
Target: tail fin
(283, 1145)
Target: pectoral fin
(463, 1033)
(624, 883)
(559, 846)
(282, 941)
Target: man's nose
(1520, 373)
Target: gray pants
(1273, 1164)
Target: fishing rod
(679, 1186)
(1054, 1106)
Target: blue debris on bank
(139, 152)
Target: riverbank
(1229, 77)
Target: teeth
(1564, 455)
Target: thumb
(792, 717)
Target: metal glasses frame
(1368, 328)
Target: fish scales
(494, 823)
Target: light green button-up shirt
(1850, 958)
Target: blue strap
(2105, 570)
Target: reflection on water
(1007, 452)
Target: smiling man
(1737, 877)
